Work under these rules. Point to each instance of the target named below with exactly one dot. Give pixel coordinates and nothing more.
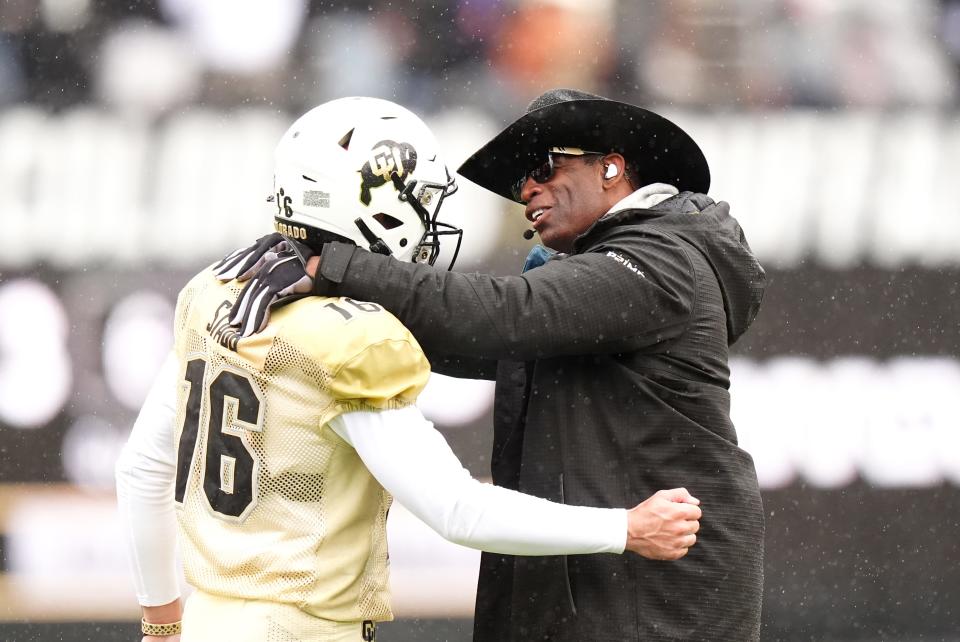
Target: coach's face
(565, 204)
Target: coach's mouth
(533, 214)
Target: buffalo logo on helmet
(386, 157)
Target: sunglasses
(544, 171)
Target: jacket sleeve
(633, 290)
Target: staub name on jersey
(220, 328)
(625, 262)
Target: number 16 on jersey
(229, 470)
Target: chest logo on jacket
(627, 263)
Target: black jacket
(612, 383)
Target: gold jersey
(273, 505)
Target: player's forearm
(149, 532)
(144, 476)
(499, 520)
(413, 461)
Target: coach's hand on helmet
(664, 526)
(273, 276)
(244, 263)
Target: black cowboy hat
(663, 152)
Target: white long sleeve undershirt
(400, 448)
(146, 472)
(413, 461)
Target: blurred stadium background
(135, 147)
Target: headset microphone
(528, 234)
(611, 171)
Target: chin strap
(377, 245)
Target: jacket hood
(719, 237)
(708, 227)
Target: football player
(276, 457)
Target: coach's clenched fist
(664, 526)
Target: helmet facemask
(428, 250)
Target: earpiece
(611, 171)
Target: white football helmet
(365, 169)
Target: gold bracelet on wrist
(149, 628)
